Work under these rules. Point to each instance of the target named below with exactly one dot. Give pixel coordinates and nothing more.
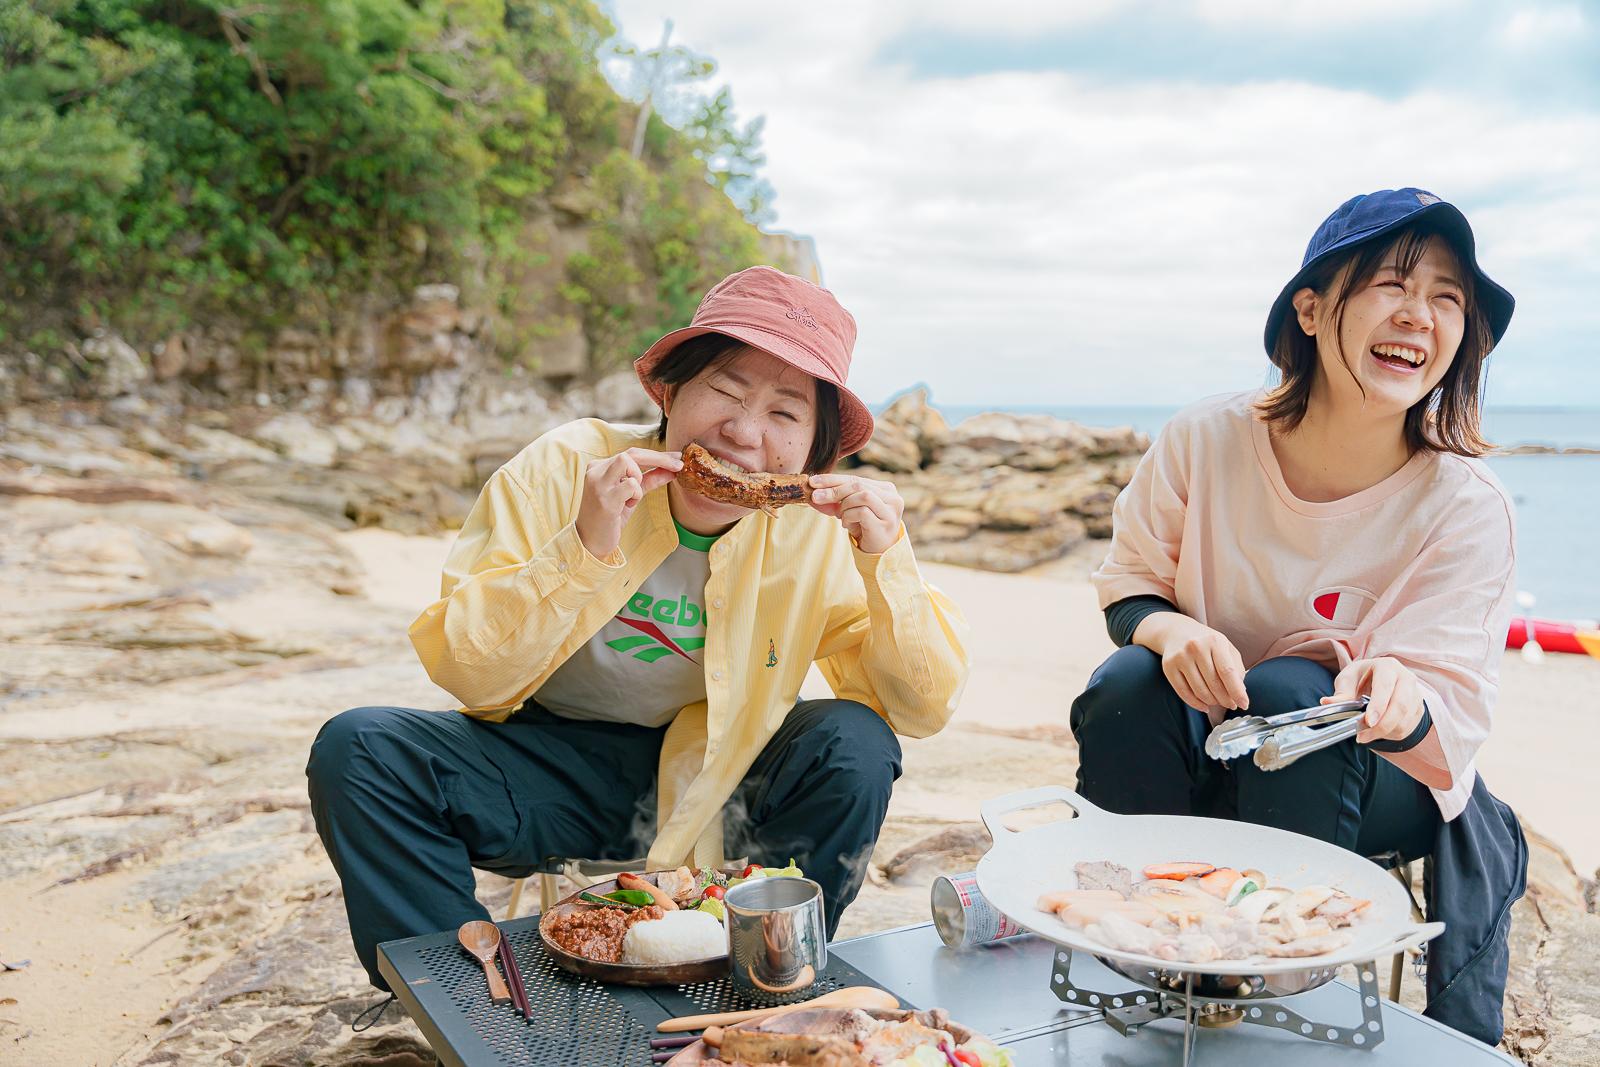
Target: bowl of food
(654, 928)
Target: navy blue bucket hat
(1376, 215)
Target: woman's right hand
(613, 487)
(1201, 665)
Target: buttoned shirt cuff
(566, 573)
(890, 575)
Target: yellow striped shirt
(520, 593)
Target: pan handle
(993, 811)
(1410, 939)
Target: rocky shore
(192, 592)
(999, 491)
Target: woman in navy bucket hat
(1329, 537)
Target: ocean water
(1557, 497)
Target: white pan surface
(1023, 865)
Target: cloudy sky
(1095, 202)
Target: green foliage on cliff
(168, 162)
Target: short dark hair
(691, 358)
(1449, 418)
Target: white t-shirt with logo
(644, 665)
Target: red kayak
(1579, 638)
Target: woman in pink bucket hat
(629, 654)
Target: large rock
(1008, 434)
(97, 548)
(434, 309)
(299, 439)
(615, 398)
(994, 550)
(218, 538)
(1553, 995)
(118, 370)
(921, 421)
(947, 524)
(1116, 441)
(218, 446)
(892, 448)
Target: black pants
(408, 802)
(1141, 752)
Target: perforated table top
(576, 1022)
(1002, 990)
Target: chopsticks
(519, 992)
(663, 1049)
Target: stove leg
(1367, 1034)
(1090, 999)
(1189, 1023)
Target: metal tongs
(1281, 739)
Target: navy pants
(408, 802)
(1142, 752)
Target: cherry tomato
(715, 892)
(969, 1058)
(750, 870)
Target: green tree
(164, 162)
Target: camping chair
(584, 872)
(1400, 867)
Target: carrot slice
(1178, 871)
(1219, 881)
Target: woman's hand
(1201, 665)
(613, 487)
(1394, 697)
(870, 510)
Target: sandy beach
(205, 940)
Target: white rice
(676, 937)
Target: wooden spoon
(856, 996)
(482, 939)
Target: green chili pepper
(621, 898)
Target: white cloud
(1037, 237)
(1311, 13)
(1535, 26)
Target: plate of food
(1162, 894)
(653, 928)
(848, 1037)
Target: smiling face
(1396, 335)
(749, 409)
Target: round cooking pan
(1024, 865)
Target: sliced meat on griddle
(1103, 875)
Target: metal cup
(777, 938)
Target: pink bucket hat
(788, 317)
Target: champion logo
(802, 316)
(1342, 606)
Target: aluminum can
(963, 916)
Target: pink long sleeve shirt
(1418, 567)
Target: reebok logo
(652, 643)
(680, 612)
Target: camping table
(1002, 990)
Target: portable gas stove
(1203, 1004)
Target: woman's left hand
(870, 510)
(1394, 697)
